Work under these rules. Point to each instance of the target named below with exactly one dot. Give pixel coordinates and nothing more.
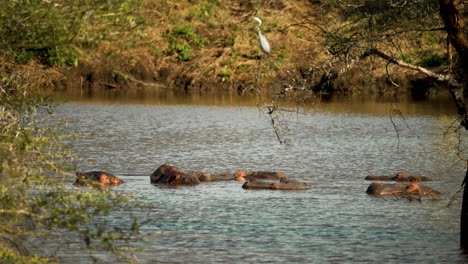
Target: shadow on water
(464, 253)
(377, 105)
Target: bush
(37, 200)
(53, 31)
(181, 39)
(432, 59)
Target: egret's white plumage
(264, 45)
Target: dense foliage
(409, 30)
(55, 31)
(37, 200)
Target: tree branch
(440, 77)
(456, 89)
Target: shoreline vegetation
(39, 203)
(126, 47)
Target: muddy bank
(200, 47)
(146, 79)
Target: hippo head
(400, 176)
(174, 178)
(203, 177)
(240, 176)
(114, 180)
(104, 179)
(414, 179)
(241, 179)
(413, 187)
(240, 173)
(80, 177)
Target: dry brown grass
(229, 63)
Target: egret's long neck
(259, 23)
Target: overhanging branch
(440, 77)
(455, 88)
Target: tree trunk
(451, 12)
(464, 215)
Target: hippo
(270, 180)
(208, 177)
(411, 190)
(400, 177)
(283, 184)
(225, 177)
(242, 175)
(172, 175)
(203, 176)
(100, 177)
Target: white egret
(264, 45)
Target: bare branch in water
(396, 130)
(454, 196)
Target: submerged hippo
(400, 176)
(208, 177)
(172, 175)
(412, 190)
(268, 180)
(242, 175)
(100, 177)
(283, 184)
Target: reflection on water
(442, 105)
(333, 222)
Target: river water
(332, 147)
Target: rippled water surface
(333, 222)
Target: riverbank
(200, 47)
